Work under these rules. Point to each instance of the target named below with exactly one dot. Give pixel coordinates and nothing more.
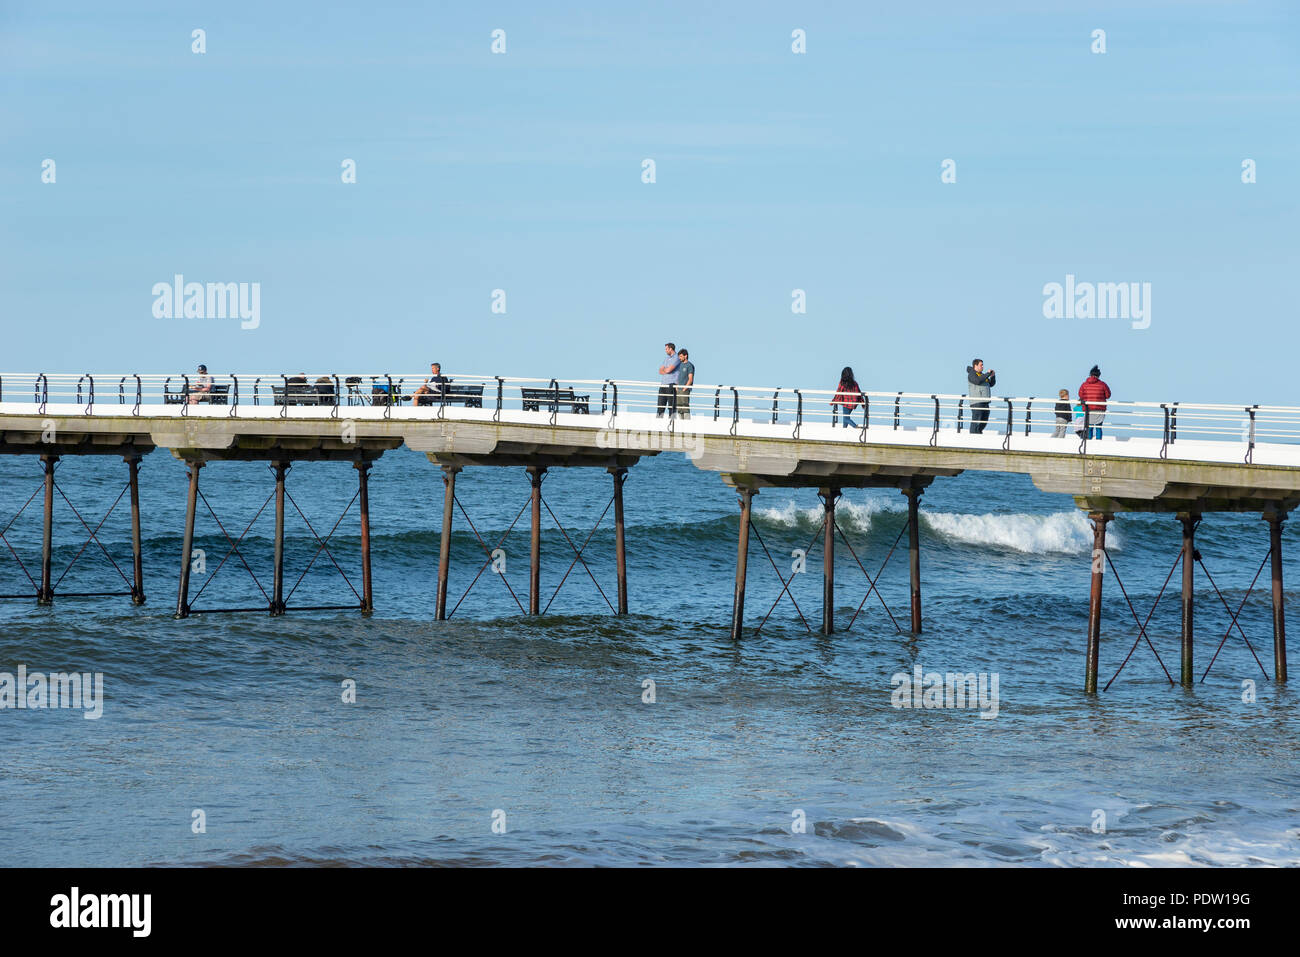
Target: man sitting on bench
(201, 390)
(427, 394)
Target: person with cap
(1093, 393)
(201, 389)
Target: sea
(579, 737)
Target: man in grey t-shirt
(667, 379)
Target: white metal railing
(1156, 429)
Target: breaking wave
(1064, 533)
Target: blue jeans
(848, 423)
(1094, 423)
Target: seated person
(429, 394)
(324, 390)
(201, 388)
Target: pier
(1187, 460)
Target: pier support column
(1099, 520)
(829, 496)
(363, 505)
(187, 543)
(535, 475)
(444, 543)
(742, 563)
(45, 596)
(914, 552)
(1275, 520)
(620, 547)
(1190, 520)
(137, 556)
(277, 590)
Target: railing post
(363, 506)
(187, 542)
(1099, 520)
(137, 556)
(620, 546)
(1275, 518)
(742, 563)
(46, 594)
(444, 542)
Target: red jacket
(851, 397)
(1093, 393)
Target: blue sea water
(540, 726)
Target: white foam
(1064, 533)
(854, 516)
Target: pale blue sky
(775, 171)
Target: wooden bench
(470, 396)
(299, 394)
(553, 398)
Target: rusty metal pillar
(1099, 520)
(535, 475)
(444, 542)
(187, 543)
(137, 554)
(742, 563)
(1190, 520)
(1275, 519)
(914, 552)
(45, 596)
(363, 505)
(829, 496)
(620, 547)
(277, 589)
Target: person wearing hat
(1093, 394)
(201, 389)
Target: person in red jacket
(848, 396)
(1093, 394)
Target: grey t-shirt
(685, 371)
(670, 363)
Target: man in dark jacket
(981, 386)
(1093, 394)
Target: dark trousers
(665, 400)
(979, 416)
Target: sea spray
(1061, 533)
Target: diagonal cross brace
(234, 547)
(785, 583)
(488, 552)
(1142, 629)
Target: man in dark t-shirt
(685, 379)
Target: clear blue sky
(775, 171)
